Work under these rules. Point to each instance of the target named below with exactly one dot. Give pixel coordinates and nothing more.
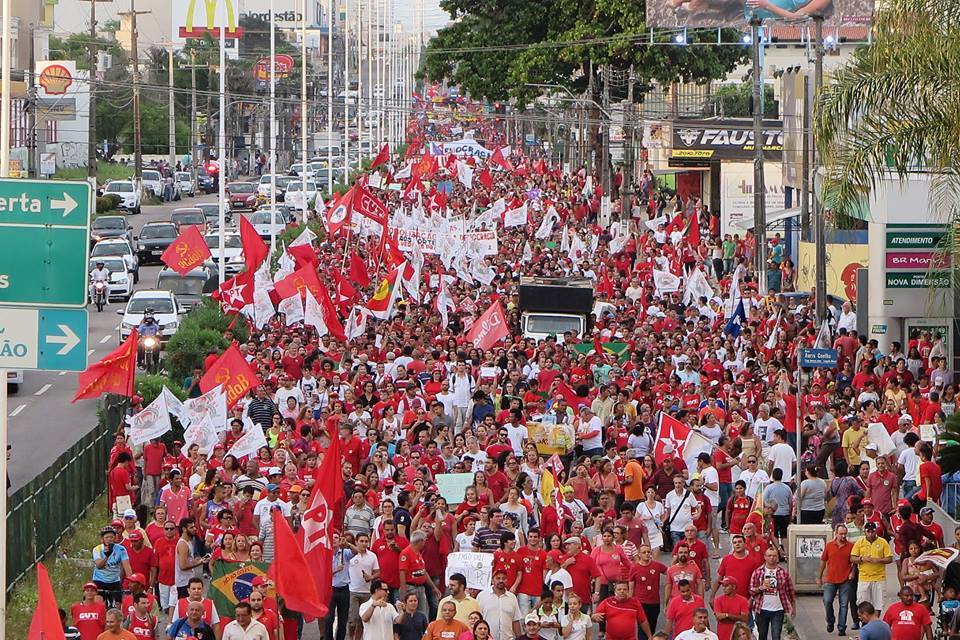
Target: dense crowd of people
(621, 536)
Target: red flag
(498, 159)
(489, 328)
(358, 270)
(693, 231)
(321, 519)
(187, 252)
(413, 189)
(255, 250)
(299, 281)
(288, 570)
(670, 432)
(113, 374)
(236, 293)
(339, 214)
(233, 372)
(346, 293)
(303, 254)
(45, 624)
(606, 285)
(413, 149)
(540, 167)
(485, 178)
(370, 206)
(330, 318)
(382, 157)
(570, 395)
(598, 348)
(426, 167)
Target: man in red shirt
(908, 620)
(350, 446)
(645, 575)
(142, 559)
(681, 607)
(532, 563)
(730, 607)
(931, 484)
(683, 568)
(89, 615)
(621, 614)
(266, 617)
(120, 479)
(739, 565)
(153, 454)
(413, 572)
(496, 479)
(935, 530)
(582, 569)
(137, 584)
(165, 555)
(387, 548)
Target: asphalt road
(42, 422)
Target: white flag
(292, 308)
(546, 225)
(404, 173)
(697, 287)
(445, 305)
(516, 217)
(665, 282)
(356, 323)
(577, 250)
(203, 434)
(210, 406)
(656, 222)
(619, 241)
(313, 315)
(465, 174)
(177, 408)
(412, 284)
(263, 310)
(286, 266)
(588, 186)
(565, 239)
(482, 272)
(252, 440)
(772, 340)
(306, 237)
(527, 252)
(152, 422)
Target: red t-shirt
(126, 605)
(698, 554)
(725, 476)
(498, 483)
(622, 617)
(412, 562)
(740, 509)
(582, 572)
(270, 620)
(351, 452)
(689, 571)
(140, 561)
(680, 612)
(532, 564)
(165, 555)
(907, 623)
(736, 605)
(931, 472)
(142, 628)
(153, 455)
(89, 619)
(646, 581)
(389, 559)
(508, 562)
(740, 569)
(119, 479)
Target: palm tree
(894, 108)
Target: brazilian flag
(232, 582)
(618, 351)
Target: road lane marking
(42, 390)
(105, 339)
(17, 411)
(62, 373)
(90, 352)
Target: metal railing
(950, 500)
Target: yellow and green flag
(232, 582)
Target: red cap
(135, 535)
(137, 577)
(259, 581)
(729, 580)
(866, 501)
(91, 585)
(389, 483)
(556, 555)
(117, 523)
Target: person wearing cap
(264, 507)
(500, 608)
(89, 615)
(110, 563)
(934, 529)
(531, 627)
(143, 561)
(622, 614)
(871, 554)
(729, 607)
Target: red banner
(233, 372)
(187, 252)
(489, 328)
(113, 374)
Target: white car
(14, 380)
(126, 190)
(261, 221)
(298, 170)
(187, 185)
(118, 248)
(232, 251)
(166, 310)
(299, 198)
(121, 280)
(153, 181)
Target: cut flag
(498, 159)
(45, 624)
(382, 157)
(113, 374)
(670, 432)
(381, 302)
(233, 372)
(338, 215)
(255, 250)
(369, 205)
(187, 252)
(236, 293)
(489, 328)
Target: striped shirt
(487, 539)
(261, 411)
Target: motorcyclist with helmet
(99, 274)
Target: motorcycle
(100, 294)
(151, 353)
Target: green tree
(497, 48)
(893, 109)
(736, 100)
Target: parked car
(211, 212)
(121, 281)
(191, 286)
(301, 196)
(187, 185)
(153, 182)
(127, 191)
(241, 195)
(232, 251)
(263, 187)
(166, 309)
(297, 170)
(205, 181)
(154, 239)
(121, 248)
(109, 227)
(262, 220)
(187, 216)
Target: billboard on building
(734, 13)
(736, 194)
(196, 18)
(724, 139)
(791, 105)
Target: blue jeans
(908, 488)
(676, 536)
(769, 621)
(830, 592)
(726, 490)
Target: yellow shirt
(464, 608)
(854, 440)
(879, 548)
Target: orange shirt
(441, 630)
(633, 492)
(837, 558)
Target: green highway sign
(47, 339)
(45, 232)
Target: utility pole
(92, 121)
(820, 242)
(193, 115)
(605, 132)
(759, 190)
(134, 56)
(33, 162)
(304, 119)
(626, 193)
(328, 9)
(172, 160)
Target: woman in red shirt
(738, 507)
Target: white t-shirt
(782, 456)
(380, 624)
(560, 575)
(765, 428)
(465, 541)
(711, 476)
(596, 442)
(517, 434)
(910, 462)
(690, 634)
(264, 505)
(579, 628)
(771, 596)
(360, 564)
(753, 480)
(681, 511)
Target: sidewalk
(811, 621)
